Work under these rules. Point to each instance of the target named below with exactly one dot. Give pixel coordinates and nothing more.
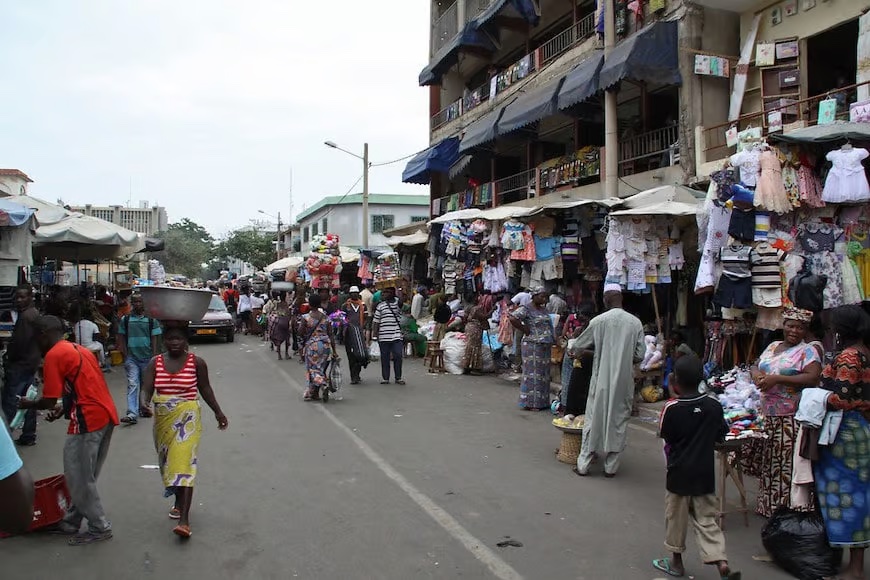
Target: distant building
(143, 219)
(343, 216)
(13, 182)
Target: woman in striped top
(174, 381)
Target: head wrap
(354, 290)
(535, 290)
(798, 314)
(610, 287)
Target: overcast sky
(207, 104)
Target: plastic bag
(18, 420)
(454, 351)
(335, 376)
(374, 351)
(798, 543)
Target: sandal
(89, 538)
(400, 382)
(174, 513)
(664, 565)
(182, 531)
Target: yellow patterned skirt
(177, 431)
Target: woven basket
(569, 448)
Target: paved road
(420, 481)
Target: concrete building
(144, 219)
(13, 182)
(519, 92)
(343, 216)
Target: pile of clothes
(324, 263)
(740, 400)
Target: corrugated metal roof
(356, 199)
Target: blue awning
(481, 131)
(14, 214)
(525, 8)
(438, 158)
(650, 55)
(448, 55)
(530, 107)
(581, 82)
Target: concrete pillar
(690, 30)
(611, 143)
(461, 12)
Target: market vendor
(536, 328)
(476, 321)
(411, 332)
(783, 370)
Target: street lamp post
(365, 194)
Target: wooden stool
(431, 347)
(436, 362)
(569, 448)
(735, 472)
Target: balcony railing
(474, 8)
(795, 114)
(515, 187)
(447, 114)
(446, 27)
(563, 41)
(659, 148)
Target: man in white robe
(617, 339)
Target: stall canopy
(606, 202)
(664, 193)
(438, 158)
(448, 55)
(288, 263)
(14, 214)
(581, 82)
(525, 8)
(482, 131)
(650, 55)
(530, 107)
(415, 239)
(672, 208)
(507, 212)
(460, 166)
(461, 214)
(838, 131)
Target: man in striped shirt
(387, 331)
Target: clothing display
(847, 180)
(770, 192)
(748, 161)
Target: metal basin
(165, 303)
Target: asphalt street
(416, 481)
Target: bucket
(117, 358)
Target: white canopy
(673, 208)
(65, 234)
(661, 194)
(415, 239)
(288, 263)
(504, 212)
(462, 214)
(606, 202)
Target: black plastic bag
(798, 543)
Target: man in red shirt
(72, 375)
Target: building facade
(143, 219)
(520, 91)
(14, 182)
(343, 216)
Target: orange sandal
(182, 531)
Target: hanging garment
(847, 181)
(527, 252)
(770, 193)
(818, 237)
(790, 164)
(717, 237)
(809, 184)
(512, 235)
(762, 226)
(748, 162)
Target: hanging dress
(770, 193)
(809, 184)
(847, 181)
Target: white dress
(847, 181)
(750, 167)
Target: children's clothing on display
(770, 193)
(512, 235)
(527, 252)
(790, 164)
(809, 184)
(571, 239)
(818, 237)
(735, 285)
(762, 226)
(847, 181)
(748, 162)
(724, 180)
(766, 271)
(717, 237)
(546, 248)
(742, 225)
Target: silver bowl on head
(167, 303)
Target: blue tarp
(581, 82)
(481, 131)
(650, 55)
(438, 158)
(14, 214)
(525, 8)
(530, 107)
(448, 55)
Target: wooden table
(735, 473)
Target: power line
(352, 187)
(395, 160)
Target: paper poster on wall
(787, 50)
(827, 111)
(731, 137)
(776, 16)
(493, 86)
(702, 64)
(774, 122)
(808, 4)
(765, 54)
(790, 7)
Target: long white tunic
(617, 338)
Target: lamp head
(330, 144)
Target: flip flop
(182, 531)
(664, 565)
(575, 470)
(174, 514)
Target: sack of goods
(325, 244)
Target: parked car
(216, 322)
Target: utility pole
(279, 244)
(365, 199)
(611, 142)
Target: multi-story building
(13, 182)
(531, 101)
(342, 215)
(144, 219)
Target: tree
(255, 248)
(188, 247)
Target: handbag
(806, 290)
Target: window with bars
(305, 237)
(382, 222)
(314, 229)
(419, 218)
(325, 229)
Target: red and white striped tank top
(181, 384)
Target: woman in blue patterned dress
(318, 347)
(842, 472)
(538, 337)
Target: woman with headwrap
(536, 326)
(476, 320)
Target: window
(305, 234)
(381, 223)
(313, 229)
(325, 229)
(419, 218)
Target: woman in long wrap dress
(538, 337)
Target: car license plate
(206, 331)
